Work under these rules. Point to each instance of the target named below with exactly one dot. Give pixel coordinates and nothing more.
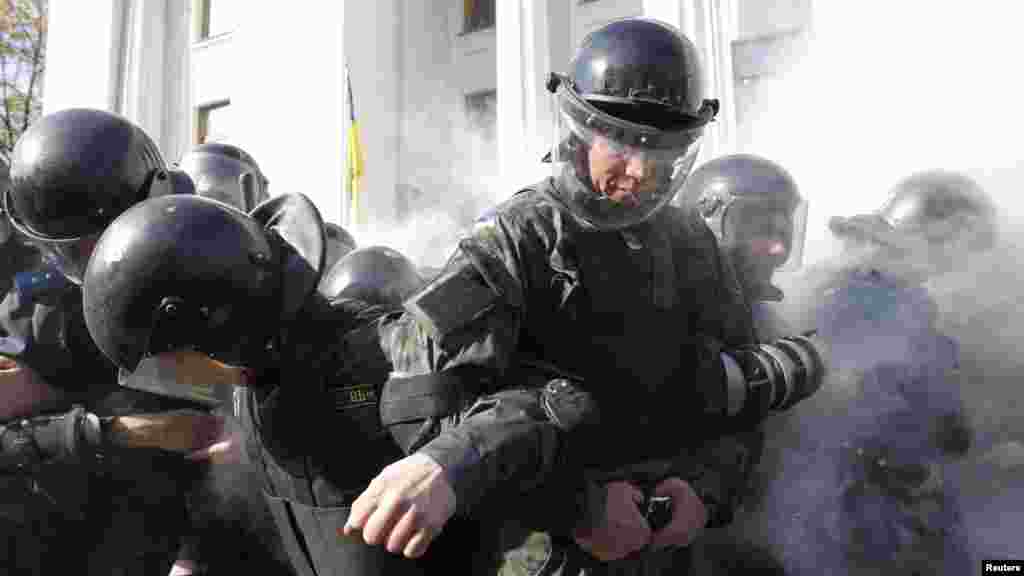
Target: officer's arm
(447, 397)
(739, 383)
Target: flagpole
(354, 161)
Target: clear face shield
(764, 230)
(613, 173)
(188, 375)
(70, 256)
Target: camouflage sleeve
(464, 326)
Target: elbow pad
(772, 377)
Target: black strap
(411, 399)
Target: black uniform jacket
(634, 319)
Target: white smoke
(889, 88)
(450, 176)
(886, 89)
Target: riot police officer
(376, 275)
(72, 173)
(749, 203)
(226, 173)
(229, 174)
(866, 485)
(228, 509)
(588, 319)
(157, 287)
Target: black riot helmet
(375, 274)
(186, 272)
(339, 243)
(72, 173)
(934, 208)
(634, 96)
(226, 173)
(742, 196)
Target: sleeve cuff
(460, 461)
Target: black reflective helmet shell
(226, 173)
(339, 243)
(374, 274)
(631, 66)
(186, 272)
(718, 184)
(937, 206)
(74, 171)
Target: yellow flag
(354, 162)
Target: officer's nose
(776, 248)
(636, 165)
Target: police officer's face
(763, 234)
(621, 173)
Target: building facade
(448, 94)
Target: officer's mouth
(627, 197)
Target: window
(481, 113)
(477, 15)
(212, 122)
(215, 18)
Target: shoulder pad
(472, 284)
(493, 271)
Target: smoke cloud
(883, 90)
(445, 186)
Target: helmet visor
(185, 374)
(614, 173)
(764, 228)
(70, 257)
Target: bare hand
(688, 515)
(404, 507)
(224, 451)
(624, 529)
(183, 568)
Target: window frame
(201, 23)
(202, 119)
(469, 26)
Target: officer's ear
(296, 221)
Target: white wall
(758, 18)
(429, 94)
(177, 96)
(860, 112)
(587, 17)
(288, 98)
(524, 120)
(215, 64)
(82, 73)
(132, 61)
(372, 47)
